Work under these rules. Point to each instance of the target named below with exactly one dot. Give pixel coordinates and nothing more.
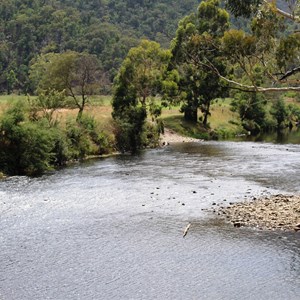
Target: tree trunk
(79, 115)
(206, 113)
(191, 114)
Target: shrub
(25, 147)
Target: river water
(112, 228)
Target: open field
(222, 120)
(100, 108)
(6, 100)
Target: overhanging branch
(285, 14)
(289, 73)
(253, 88)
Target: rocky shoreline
(277, 212)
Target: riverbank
(169, 137)
(277, 212)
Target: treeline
(208, 60)
(105, 28)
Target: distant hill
(107, 28)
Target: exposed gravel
(277, 212)
(171, 136)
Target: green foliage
(194, 49)
(287, 51)
(129, 129)
(237, 45)
(293, 114)
(12, 80)
(138, 83)
(272, 45)
(32, 146)
(243, 8)
(279, 112)
(252, 111)
(84, 138)
(45, 105)
(25, 147)
(105, 28)
(76, 75)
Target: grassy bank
(98, 107)
(35, 140)
(222, 120)
(223, 123)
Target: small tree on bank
(280, 113)
(77, 74)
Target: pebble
(273, 212)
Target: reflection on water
(285, 136)
(112, 228)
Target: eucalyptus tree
(197, 43)
(136, 88)
(273, 47)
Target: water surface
(112, 228)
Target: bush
(279, 112)
(25, 147)
(32, 147)
(84, 138)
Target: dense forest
(106, 28)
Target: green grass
(100, 100)
(223, 122)
(11, 98)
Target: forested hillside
(107, 28)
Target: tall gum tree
(197, 39)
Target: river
(112, 228)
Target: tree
(45, 105)
(105, 28)
(78, 74)
(11, 81)
(197, 40)
(279, 112)
(273, 46)
(136, 86)
(252, 111)
(249, 7)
